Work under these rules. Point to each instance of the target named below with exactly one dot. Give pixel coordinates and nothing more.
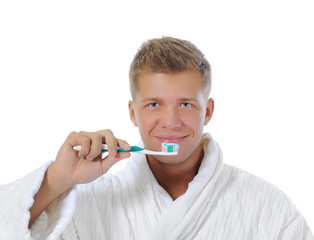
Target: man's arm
(72, 167)
(51, 188)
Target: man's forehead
(158, 99)
(186, 79)
(186, 85)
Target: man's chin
(168, 160)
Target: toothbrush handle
(105, 149)
(133, 149)
(118, 150)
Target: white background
(64, 67)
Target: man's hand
(72, 167)
(87, 165)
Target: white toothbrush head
(170, 147)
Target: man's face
(171, 108)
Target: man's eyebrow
(155, 99)
(151, 99)
(187, 99)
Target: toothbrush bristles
(169, 147)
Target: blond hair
(168, 55)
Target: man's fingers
(96, 147)
(110, 140)
(123, 144)
(84, 141)
(97, 138)
(91, 143)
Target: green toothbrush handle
(133, 149)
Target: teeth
(169, 147)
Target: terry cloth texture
(221, 202)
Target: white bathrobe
(222, 202)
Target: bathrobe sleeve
(296, 228)
(17, 198)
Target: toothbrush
(166, 149)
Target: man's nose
(170, 118)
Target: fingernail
(127, 146)
(113, 152)
(90, 158)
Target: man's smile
(171, 138)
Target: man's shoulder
(248, 180)
(250, 186)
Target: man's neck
(174, 178)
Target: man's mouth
(171, 139)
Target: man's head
(168, 55)
(170, 103)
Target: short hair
(168, 55)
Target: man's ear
(209, 110)
(132, 113)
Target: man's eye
(153, 105)
(185, 105)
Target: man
(192, 195)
